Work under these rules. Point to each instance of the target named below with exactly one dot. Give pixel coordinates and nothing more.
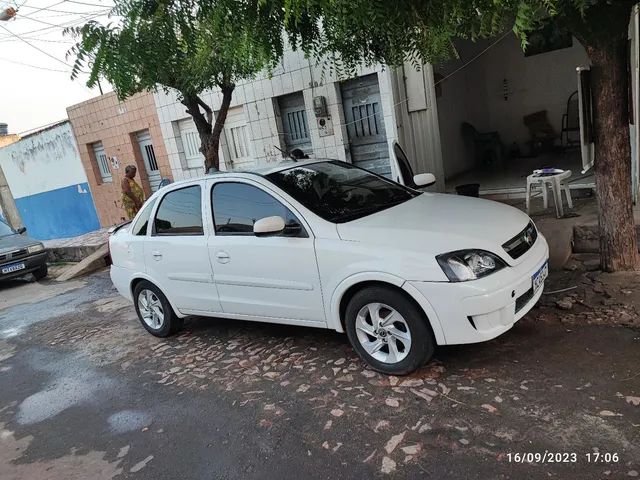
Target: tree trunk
(212, 152)
(603, 32)
(618, 244)
(203, 123)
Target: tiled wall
(257, 98)
(105, 119)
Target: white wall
(44, 161)
(256, 97)
(476, 93)
(463, 98)
(49, 184)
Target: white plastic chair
(543, 179)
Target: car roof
(260, 171)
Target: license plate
(538, 278)
(13, 268)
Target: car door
(273, 276)
(135, 241)
(176, 253)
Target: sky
(35, 83)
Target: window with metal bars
(151, 156)
(239, 147)
(365, 118)
(297, 123)
(103, 162)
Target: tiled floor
(511, 176)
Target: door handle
(223, 257)
(156, 255)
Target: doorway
(149, 159)
(365, 124)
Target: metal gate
(365, 124)
(149, 158)
(294, 123)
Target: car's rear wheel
(154, 311)
(388, 330)
(41, 272)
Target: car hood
(438, 223)
(13, 242)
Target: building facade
(438, 114)
(300, 106)
(112, 134)
(49, 184)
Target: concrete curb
(93, 262)
(71, 253)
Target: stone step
(586, 238)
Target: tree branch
(206, 108)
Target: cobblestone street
(85, 392)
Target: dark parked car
(20, 254)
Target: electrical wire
(34, 66)
(37, 48)
(88, 4)
(70, 23)
(36, 39)
(41, 127)
(36, 10)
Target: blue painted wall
(60, 213)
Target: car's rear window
(180, 213)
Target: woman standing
(132, 194)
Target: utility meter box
(320, 106)
(325, 126)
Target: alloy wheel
(383, 333)
(151, 309)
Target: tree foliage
(182, 45)
(348, 33)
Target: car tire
(154, 310)
(41, 272)
(389, 331)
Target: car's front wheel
(154, 311)
(41, 272)
(389, 331)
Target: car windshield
(340, 192)
(5, 229)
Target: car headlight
(38, 247)
(464, 265)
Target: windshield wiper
(364, 211)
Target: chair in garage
(486, 146)
(570, 133)
(555, 179)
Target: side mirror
(268, 225)
(424, 179)
(21, 230)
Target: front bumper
(31, 263)
(480, 310)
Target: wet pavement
(85, 392)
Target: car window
(340, 192)
(140, 228)
(180, 213)
(237, 206)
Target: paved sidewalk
(75, 249)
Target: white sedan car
(326, 244)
